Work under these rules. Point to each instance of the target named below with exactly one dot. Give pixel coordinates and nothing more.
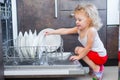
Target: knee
(78, 49)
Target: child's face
(82, 20)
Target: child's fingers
(46, 33)
(72, 58)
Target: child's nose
(76, 21)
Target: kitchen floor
(111, 73)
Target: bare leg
(91, 64)
(94, 66)
(78, 49)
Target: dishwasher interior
(27, 61)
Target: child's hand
(73, 58)
(47, 33)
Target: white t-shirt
(97, 44)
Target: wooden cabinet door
(66, 7)
(39, 14)
(36, 14)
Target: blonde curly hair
(91, 10)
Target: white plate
(31, 44)
(50, 43)
(33, 47)
(23, 46)
(18, 45)
(40, 47)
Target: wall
(112, 41)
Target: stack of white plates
(30, 43)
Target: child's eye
(79, 19)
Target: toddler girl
(87, 24)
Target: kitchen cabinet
(37, 15)
(71, 4)
(40, 14)
(112, 40)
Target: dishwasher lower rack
(53, 64)
(31, 55)
(31, 61)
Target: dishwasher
(39, 63)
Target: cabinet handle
(72, 15)
(56, 8)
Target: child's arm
(63, 31)
(90, 39)
(82, 53)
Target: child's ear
(90, 21)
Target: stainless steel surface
(15, 55)
(56, 8)
(55, 63)
(59, 69)
(60, 66)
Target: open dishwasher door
(52, 67)
(1, 55)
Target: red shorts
(118, 55)
(96, 58)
